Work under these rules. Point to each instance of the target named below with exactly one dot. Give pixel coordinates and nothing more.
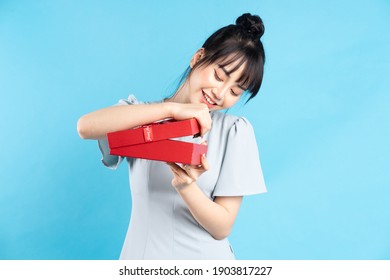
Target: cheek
(195, 81)
(203, 77)
(230, 102)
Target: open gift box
(152, 141)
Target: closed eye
(233, 93)
(217, 77)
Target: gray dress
(161, 226)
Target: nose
(218, 93)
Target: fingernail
(196, 135)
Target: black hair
(239, 43)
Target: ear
(196, 57)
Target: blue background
(321, 121)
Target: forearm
(217, 219)
(97, 124)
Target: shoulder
(131, 99)
(223, 121)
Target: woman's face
(215, 87)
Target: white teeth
(208, 99)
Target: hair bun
(252, 24)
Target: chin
(217, 108)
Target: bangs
(252, 74)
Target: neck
(180, 96)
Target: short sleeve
(108, 160)
(240, 172)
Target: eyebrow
(228, 74)
(224, 70)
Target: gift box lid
(153, 132)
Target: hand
(200, 112)
(184, 175)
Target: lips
(207, 100)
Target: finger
(185, 166)
(204, 121)
(204, 162)
(204, 128)
(178, 178)
(173, 169)
(190, 172)
(182, 171)
(171, 164)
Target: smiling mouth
(208, 99)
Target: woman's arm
(97, 124)
(217, 216)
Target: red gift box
(152, 142)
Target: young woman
(185, 211)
